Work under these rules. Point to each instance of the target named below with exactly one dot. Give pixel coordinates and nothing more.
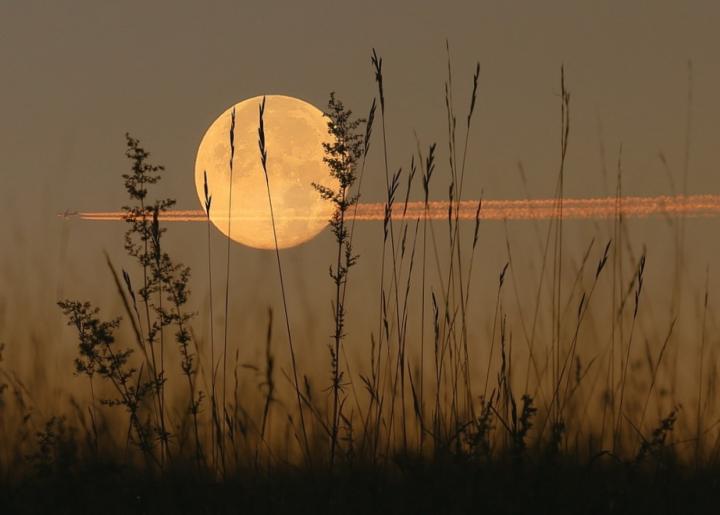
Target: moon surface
(294, 133)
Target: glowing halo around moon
(294, 133)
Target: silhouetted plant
(142, 242)
(342, 154)
(173, 279)
(521, 425)
(656, 444)
(99, 354)
(163, 279)
(55, 447)
(477, 434)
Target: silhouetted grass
(424, 425)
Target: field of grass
(567, 392)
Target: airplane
(67, 214)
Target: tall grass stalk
(701, 370)
(558, 252)
(216, 431)
(263, 161)
(227, 288)
(391, 187)
(427, 176)
(639, 275)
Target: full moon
(294, 133)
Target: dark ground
(554, 488)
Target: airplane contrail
(537, 209)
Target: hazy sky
(76, 75)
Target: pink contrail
(539, 209)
